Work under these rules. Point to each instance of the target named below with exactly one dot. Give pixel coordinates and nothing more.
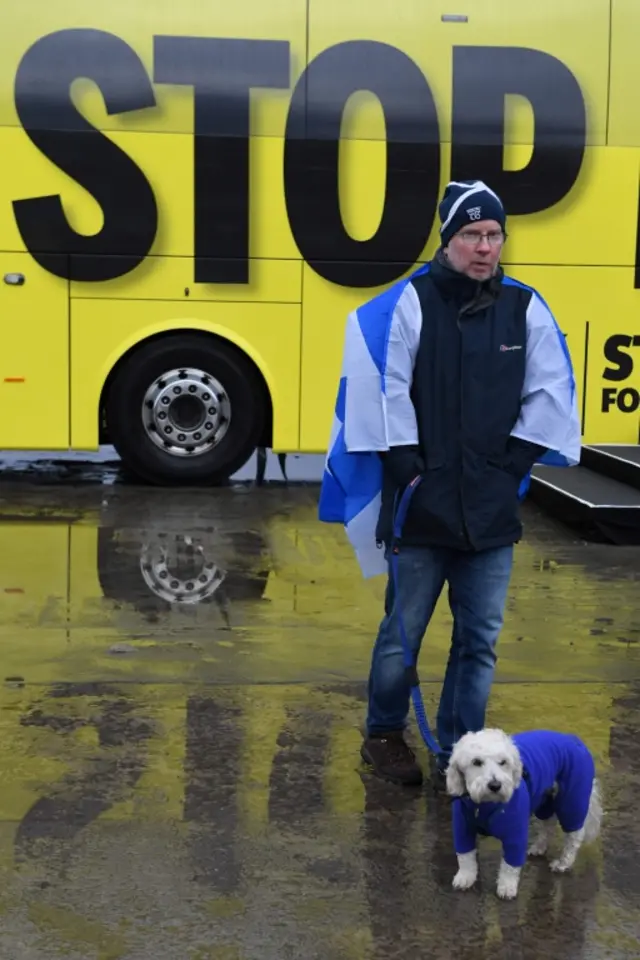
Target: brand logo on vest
(475, 213)
(504, 348)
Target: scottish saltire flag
(373, 410)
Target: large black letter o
(311, 163)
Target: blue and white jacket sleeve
(401, 459)
(378, 372)
(374, 415)
(549, 409)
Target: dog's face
(485, 764)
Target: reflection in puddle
(180, 724)
(245, 586)
(177, 570)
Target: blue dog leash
(410, 662)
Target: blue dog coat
(549, 759)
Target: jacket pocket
(497, 504)
(434, 514)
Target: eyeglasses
(473, 237)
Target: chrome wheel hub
(186, 412)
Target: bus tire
(186, 409)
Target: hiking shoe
(392, 759)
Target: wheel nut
(165, 400)
(162, 415)
(177, 389)
(208, 426)
(181, 437)
(197, 436)
(168, 430)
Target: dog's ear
(515, 762)
(456, 785)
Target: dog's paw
(508, 881)
(464, 879)
(507, 888)
(559, 866)
(538, 848)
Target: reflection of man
(461, 375)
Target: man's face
(475, 250)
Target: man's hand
(402, 464)
(520, 456)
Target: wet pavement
(184, 688)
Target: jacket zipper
(461, 481)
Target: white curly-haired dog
(499, 782)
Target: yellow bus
(194, 196)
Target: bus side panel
(102, 331)
(575, 32)
(597, 309)
(166, 162)
(624, 117)
(34, 356)
(171, 278)
(122, 32)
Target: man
(460, 375)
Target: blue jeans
(478, 584)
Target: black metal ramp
(601, 507)
(619, 461)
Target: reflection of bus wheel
(186, 409)
(122, 578)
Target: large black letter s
(60, 132)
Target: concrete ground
(184, 687)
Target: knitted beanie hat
(466, 202)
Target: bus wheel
(186, 409)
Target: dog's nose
(495, 786)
